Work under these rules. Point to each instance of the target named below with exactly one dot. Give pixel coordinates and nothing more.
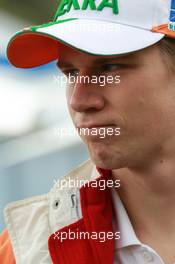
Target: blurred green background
(36, 11)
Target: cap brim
(35, 47)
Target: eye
(111, 67)
(70, 72)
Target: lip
(94, 125)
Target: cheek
(68, 98)
(69, 91)
(136, 102)
(68, 94)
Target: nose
(86, 96)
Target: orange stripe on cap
(164, 30)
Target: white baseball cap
(97, 27)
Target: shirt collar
(127, 233)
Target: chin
(105, 158)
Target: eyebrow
(99, 60)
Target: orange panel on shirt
(6, 251)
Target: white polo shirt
(129, 249)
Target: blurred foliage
(35, 11)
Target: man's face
(141, 105)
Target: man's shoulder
(82, 171)
(25, 217)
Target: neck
(148, 195)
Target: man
(133, 40)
